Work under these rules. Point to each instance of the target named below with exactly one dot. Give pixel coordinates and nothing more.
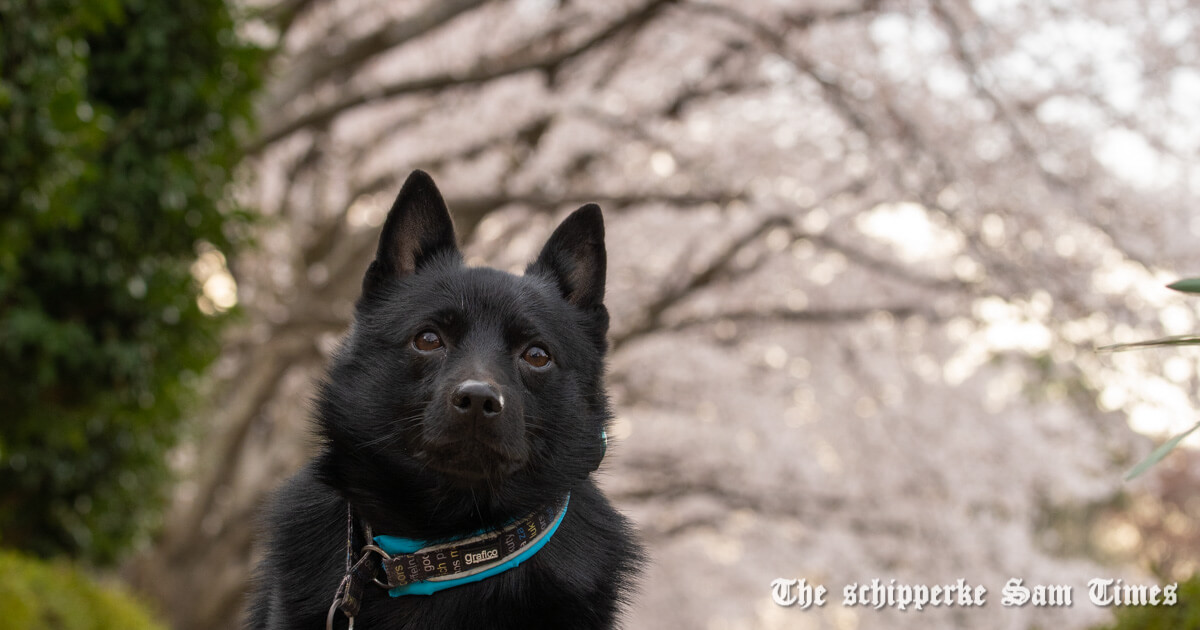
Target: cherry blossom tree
(861, 253)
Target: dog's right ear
(418, 227)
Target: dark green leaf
(1187, 285)
(1177, 340)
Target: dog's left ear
(574, 258)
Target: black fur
(418, 458)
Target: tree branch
(317, 64)
(808, 315)
(487, 70)
(651, 318)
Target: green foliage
(119, 128)
(37, 595)
(1184, 615)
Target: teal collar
(418, 567)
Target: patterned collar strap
(416, 567)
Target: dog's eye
(537, 357)
(427, 341)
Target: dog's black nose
(476, 398)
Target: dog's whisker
(478, 512)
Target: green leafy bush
(38, 595)
(1184, 615)
(119, 124)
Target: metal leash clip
(348, 597)
(340, 599)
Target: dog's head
(457, 377)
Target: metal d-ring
(383, 554)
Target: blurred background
(861, 255)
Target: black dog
(461, 420)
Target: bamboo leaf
(1187, 285)
(1158, 454)
(1177, 340)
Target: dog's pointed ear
(417, 228)
(574, 257)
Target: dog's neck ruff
(417, 567)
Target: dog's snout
(476, 398)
